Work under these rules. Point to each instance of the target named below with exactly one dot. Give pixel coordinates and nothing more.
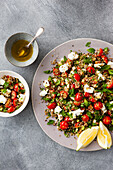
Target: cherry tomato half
(77, 103)
(77, 77)
(8, 103)
(63, 94)
(91, 70)
(52, 105)
(106, 120)
(11, 109)
(100, 52)
(85, 118)
(56, 71)
(13, 94)
(87, 94)
(105, 59)
(77, 124)
(98, 106)
(16, 88)
(64, 125)
(78, 96)
(15, 102)
(67, 119)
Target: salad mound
(79, 94)
(12, 94)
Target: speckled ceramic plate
(39, 107)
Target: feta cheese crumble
(57, 109)
(110, 63)
(76, 112)
(73, 56)
(43, 93)
(21, 97)
(98, 95)
(3, 99)
(2, 82)
(104, 110)
(98, 65)
(63, 68)
(88, 89)
(100, 76)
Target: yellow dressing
(19, 45)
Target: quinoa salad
(79, 93)
(12, 94)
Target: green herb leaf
(88, 60)
(50, 122)
(106, 67)
(65, 58)
(6, 84)
(89, 114)
(86, 103)
(109, 106)
(110, 72)
(47, 72)
(106, 50)
(91, 50)
(58, 82)
(3, 90)
(88, 44)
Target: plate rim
(88, 39)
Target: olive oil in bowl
(17, 46)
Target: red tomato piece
(98, 106)
(77, 124)
(63, 94)
(67, 119)
(100, 52)
(105, 59)
(72, 86)
(64, 125)
(106, 120)
(11, 109)
(110, 85)
(78, 96)
(13, 94)
(52, 105)
(8, 103)
(77, 77)
(15, 102)
(56, 71)
(16, 88)
(92, 99)
(87, 94)
(91, 70)
(85, 118)
(77, 103)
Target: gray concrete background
(23, 144)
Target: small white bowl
(13, 39)
(27, 93)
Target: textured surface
(23, 145)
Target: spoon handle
(39, 32)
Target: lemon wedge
(104, 138)
(86, 137)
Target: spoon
(23, 51)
